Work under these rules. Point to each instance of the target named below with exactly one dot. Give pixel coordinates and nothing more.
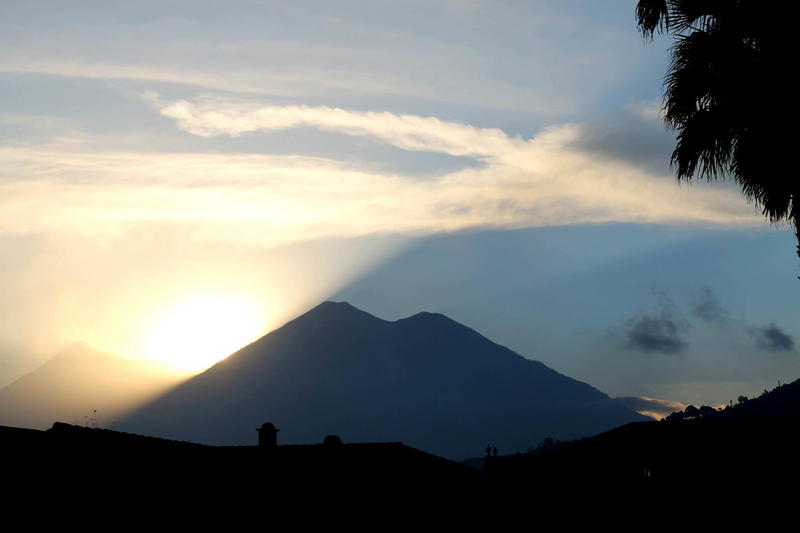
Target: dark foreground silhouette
(638, 461)
(82, 464)
(748, 446)
(746, 453)
(712, 455)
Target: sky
(179, 178)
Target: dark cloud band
(772, 338)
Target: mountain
(425, 380)
(15, 363)
(78, 381)
(782, 401)
(715, 455)
(751, 444)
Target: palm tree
(727, 95)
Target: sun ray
(197, 330)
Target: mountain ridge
(77, 381)
(426, 380)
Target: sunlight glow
(197, 331)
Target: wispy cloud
(708, 308)
(211, 116)
(773, 339)
(652, 407)
(267, 200)
(655, 333)
(527, 57)
(660, 332)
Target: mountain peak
(329, 310)
(81, 350)
(427, 316)
(331, 306)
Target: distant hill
(751, 444)
(77, 381)
(781, 401)
(720, 456)
(425, 380)
(15, 362)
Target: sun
(194, 332)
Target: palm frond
(698, 14)
(722, 96)
(705, 143)
(652, 16)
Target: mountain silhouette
(782, 401)
(77, 382)
(751, 444)
(425, 380)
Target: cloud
(525, 57)
(211, 116)
(543, 180)
(708, 308)
(655, 334)
(265, 200)
(660, 332)
(651, 407)
(635, 134)
(772, 338)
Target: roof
(133, 455)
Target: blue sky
(502, 162)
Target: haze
(177, 181)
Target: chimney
(267, 435)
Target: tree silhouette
(691, 412)
(724, 96)
(706, 410)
